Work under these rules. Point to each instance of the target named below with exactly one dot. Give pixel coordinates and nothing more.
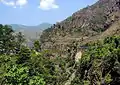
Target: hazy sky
(34, 12)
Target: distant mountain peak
(40, 26)
(31, 31)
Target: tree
(24, 55)
(10, 42)
(19, 75)
(37, 46)
(19, 40)
(6, 39)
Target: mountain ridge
(85, 25)
(31, 31)
(20, 26)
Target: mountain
(92, 23)
(31, 31)
(40, 26)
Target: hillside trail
(77, 58)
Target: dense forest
(21, 65)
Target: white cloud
(48, 4)
(21, 2)
(14, 3)
(10, 3)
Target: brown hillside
(91, 23)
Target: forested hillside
(100, 63)
(20, 65)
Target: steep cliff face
(88, 24)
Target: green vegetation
(100, 63)
(69, 18)
(20, 65)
